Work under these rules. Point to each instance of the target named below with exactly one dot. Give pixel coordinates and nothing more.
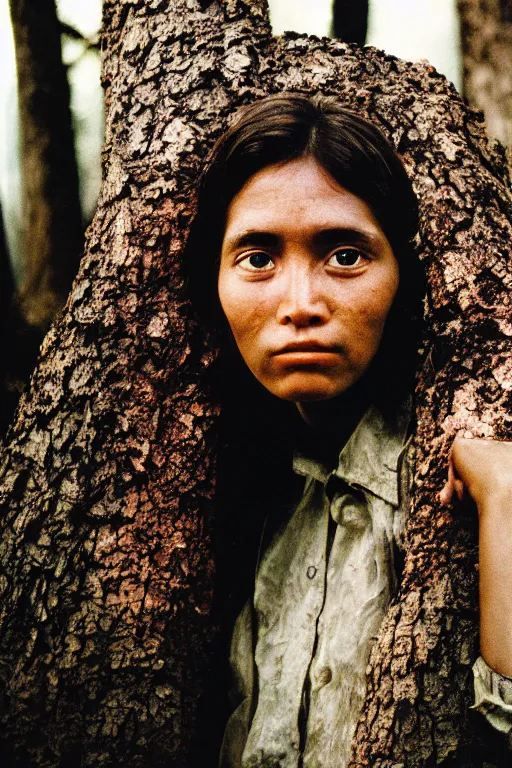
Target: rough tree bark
(53, 234)
(106, 566)
(487, 51)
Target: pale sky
(84, 15)
(419, 29)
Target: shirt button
(324, 676)
(311, 572)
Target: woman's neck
(335, 419)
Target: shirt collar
(369, 458)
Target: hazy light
(86, 95)
(10, 194)
(86, 107)
(310, 16)
(85, 16)
(423, 29)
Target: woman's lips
(308, 347)
(307, 353)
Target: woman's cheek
(231, 300)
(246, 314)
(380, 300)
(369, 324)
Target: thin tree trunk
(6, 301)
(106, 555)
(487, 50)
(53, 234)
(350, 20)
(19, 342)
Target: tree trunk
(19, 342)
(107, 562)
(6, 312)
(350, 20)
(487, 51)
(53, 235)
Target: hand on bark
(482, 469)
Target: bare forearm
(496, 581)
(482, 469)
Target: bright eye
(346, 257)
(257, 262)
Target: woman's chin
(308, 393)
(304, 386)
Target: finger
(446, 494)
(461, 446)
(460, 488)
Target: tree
(16, 338)
(6, 293)
(107, 544)
(350, 20)
(53, 233)
(487, 42)
(53, 236)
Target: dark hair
(284, 127)
(258, 431)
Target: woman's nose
(301, 302)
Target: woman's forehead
(298, 196)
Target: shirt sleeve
(493, 696)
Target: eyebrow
(347, 235)
(253, 238)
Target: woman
(309, 216)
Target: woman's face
(307, 278)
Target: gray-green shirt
(300, 648)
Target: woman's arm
(483, 469)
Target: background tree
(52, 219)
(350, 20)
(53, 234)
(487, 46)
(107, 626)
(6, 293)
(16, 337)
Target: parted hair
(284, 127)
